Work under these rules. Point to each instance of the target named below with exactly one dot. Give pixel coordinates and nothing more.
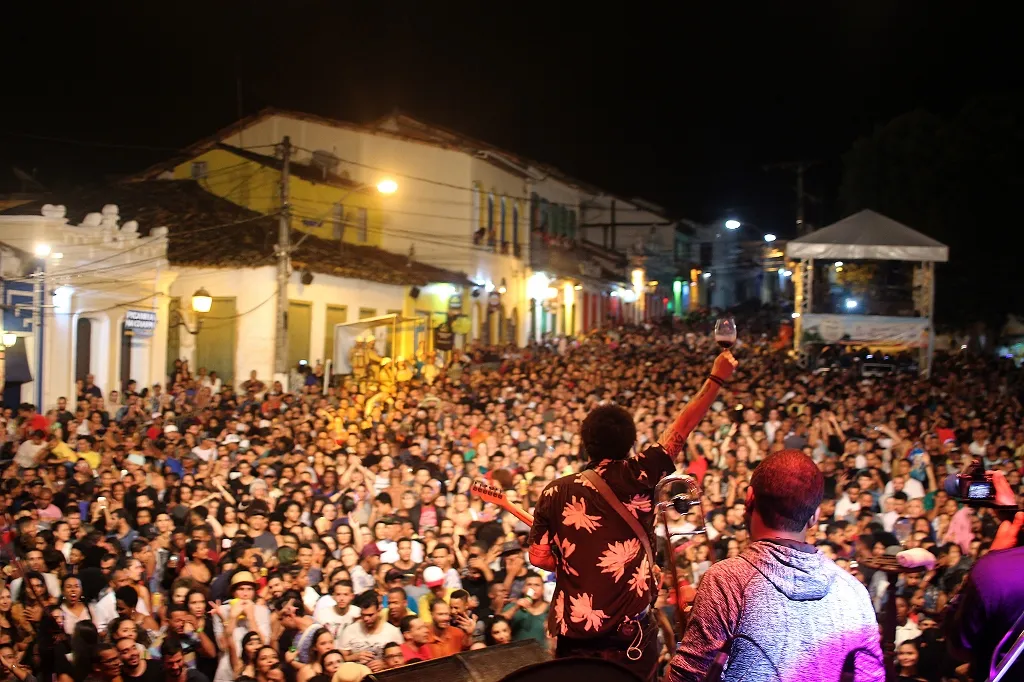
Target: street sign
(140, 322)
(444, 337)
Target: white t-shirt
(356, 640)
(327, 615)
(27, 453)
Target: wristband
(715, 380)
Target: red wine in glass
(725, 332)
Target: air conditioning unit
(326, 160)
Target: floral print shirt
(603, 571)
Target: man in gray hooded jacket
(781, 610)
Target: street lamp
(201, 301)
(9, 339)
(387, 186)
(201, 304)
(770, 238)
(732, 224)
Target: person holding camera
(990, 607)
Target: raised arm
(674, 438)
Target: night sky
(681, 106)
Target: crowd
(203, 532)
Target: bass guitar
(489, 493)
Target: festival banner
(912, 332)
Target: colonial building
(459, 204)
(133, 257)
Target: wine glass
(903, 529)
(725, 332)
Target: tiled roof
(205, 230)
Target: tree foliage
(955, 178)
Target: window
(362, 224)
(366, 313)
(338, 222)
(570, 224)
(336, 314)
(490, 218)
(478, 211)
(199, 170)
(504, 237)
(515, 223)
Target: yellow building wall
(257, 188)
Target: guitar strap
(634, 524)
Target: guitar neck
(517, 512)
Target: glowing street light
(42, 250)
(202, 301)
(706, 275)
(9, 339)
(851, 304)
(387, 186)
(839, 264)
(732, 224)
(770, 238)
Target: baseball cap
(370, 550)
(433, 576)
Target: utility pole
(802, 227)
(284, 249)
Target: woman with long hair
(196, 603)
(328, 514)
(311, 651)
(197, 567)
(907, 657)
(242, 664)
(72, 606)
(267, 661)
(33, 600)
(79, 657)
(498, 631)
(10, 632)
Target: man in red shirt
(32, 420)
(416, 636)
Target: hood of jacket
(801, 576)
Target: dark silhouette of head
(608, 433)
(787, 488)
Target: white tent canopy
(867, 236)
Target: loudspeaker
(492, 664)
(563, 669)
(414, 293)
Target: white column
(158, 345)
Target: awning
(867, 236)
